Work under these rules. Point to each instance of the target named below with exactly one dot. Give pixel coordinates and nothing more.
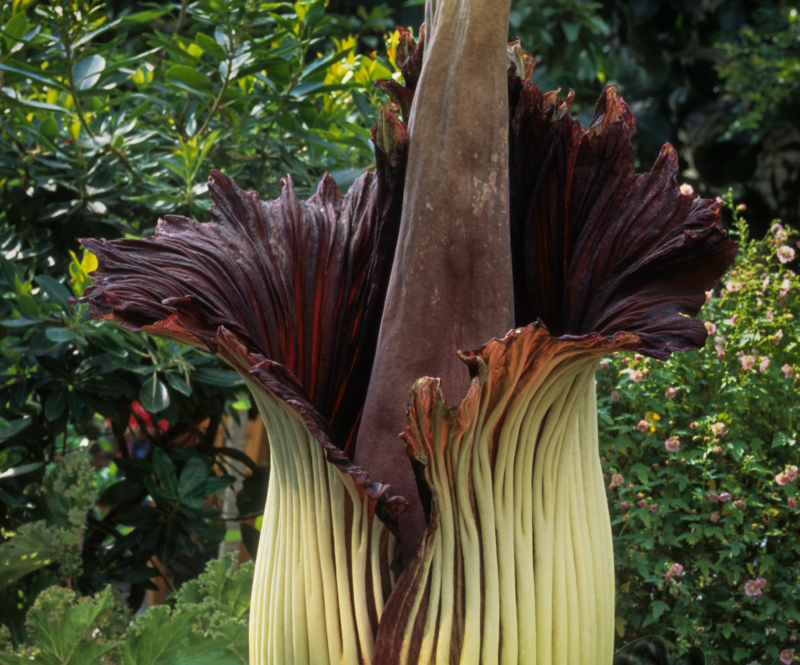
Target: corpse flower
(483, 536)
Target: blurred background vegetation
(119, 461)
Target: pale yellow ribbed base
(521, 568)
(322, 567)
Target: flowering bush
(710, 436)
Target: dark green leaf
(190, 77)
(55, 405)
(154, 395)
(165, 472)
(86, 72)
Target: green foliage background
(714, 505)
(111, 117)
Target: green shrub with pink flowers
(701, 455)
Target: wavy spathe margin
(299, 282)
(598, 247)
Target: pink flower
(624, 505)
(770, 317)
(718, 450)
(718, 429)
(788, 371)
(785, 254)
(781, 479)
(693, 425)
(603, 365)
(713, 497)
(734, 319)
(670, 394)
(636, 376)
(638, 357)
(654, 508)
(787, 656)
(625, 361)
(779, 232)
(791, 473)
(765, 283)
(733, 287)
(617, 479)
(642, 504)
(709, 295)
(741, 505)
(725, 496)
(615, 395)
(711, 327)
(792, 503)
(686, 189)
(625, 519)
(643, 426)
(753, 587)
(793, 639)
(672, 444)
(674, 570)
(785, 286)
(764, 365)
(778, 337)
(747, 362)
(714, 516)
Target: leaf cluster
(205, 622)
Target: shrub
(700, 456)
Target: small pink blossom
(654, 508)
(638, 356)
(615, 395)
(714, 516)
(625, 361)
(792, 503)
(779, 232)
(674, 570)
(687, 189)
(636, 376)
(785, 286)
(793, 639)
(670, 394)
(617, 479)
(718, 429)
(764, 365)
(625, 519)
(778, 337)
(725, 496)
(770, 317)
(693, 425)
(753, 587)
(788, 371)
(709, 295)
(603, 365)
(672, 444)
(734, 319)
(713, 497)
(787, 656)
(733, 287)
(643, 426)
(741, 505)
(642, 504)
(765, 283)
(711, 327)
(785, 254)
(718, 450)
(789, 475)
(624, 505)
(747, 362)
